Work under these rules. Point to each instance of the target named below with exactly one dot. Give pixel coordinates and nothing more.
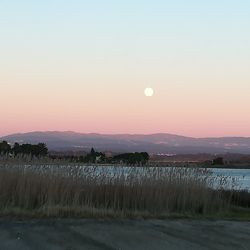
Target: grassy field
(40, 190)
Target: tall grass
(56, 190)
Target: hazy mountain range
(153, 143)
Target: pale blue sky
(190, 52)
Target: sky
(84, 65)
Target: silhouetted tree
(16, 149)
(41, 149)
(94, 156)
(218, 161)
(5, 147)
(91, 157)
(28, 149)
(132, 158)
(92, 151)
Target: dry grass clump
(50, 190)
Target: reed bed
(66, 190)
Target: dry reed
(57, 190)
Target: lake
(241, 176)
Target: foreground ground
(123, 234)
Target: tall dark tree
(92, 151)
(5, 147)
(42, 149)
(16, 149)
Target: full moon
(149, 92)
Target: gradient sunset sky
(84, 65)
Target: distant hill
(153, 143)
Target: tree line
(37, 150)
(41, 150)
(99, 157)
(127, 158)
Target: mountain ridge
(152, 143)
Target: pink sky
(199, 111)
(84, 67)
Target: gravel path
(91, 234)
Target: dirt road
(123, 234)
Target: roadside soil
(74, 234)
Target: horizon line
(98, 133)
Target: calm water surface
(241, 176)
